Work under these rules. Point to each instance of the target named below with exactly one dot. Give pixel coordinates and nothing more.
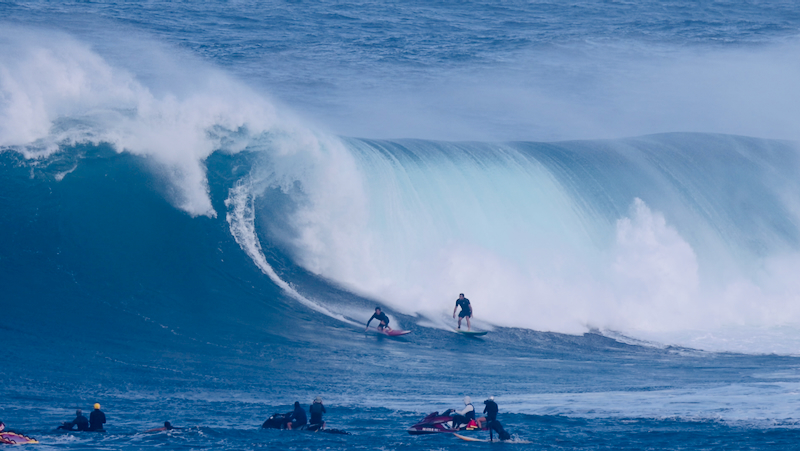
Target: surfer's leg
(469, 326)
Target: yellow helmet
(97, 405)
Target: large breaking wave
(650, 236)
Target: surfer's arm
(370, 320)
(454, 310)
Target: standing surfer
(382, 318)
(466, 310)
(492, 424)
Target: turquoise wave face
(671, 238)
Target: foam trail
(241, 218)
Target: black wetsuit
(299, 417)
(381, 318)
(80, 421)
(466, 309)
(491, 410)
(316, 410)
(97, 419)
(491, 420)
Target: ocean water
(202, 203)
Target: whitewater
(202, 204)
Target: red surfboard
(392, 333)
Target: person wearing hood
(490, 410)
(97, 418)
(490, 419)
(464, 416)
(80, 422)
(298, 418)
(316, 410)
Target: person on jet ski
(316, 410)
(298, 417)
(466, 310)
(382, 318)
(464, 416)
(80, 421)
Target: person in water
(465, 415)
(167, 427)
(80, 422)
(466, 310)
(316, 410)
(380, 316)
(298, 418)
(97, 418)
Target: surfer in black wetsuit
(97, 418)
(380, 316)
(316, 410)
(490, 410)
(298, 417)
(492, 424)
(167, 427)
(466, 310)
(80, 421)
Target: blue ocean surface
(201, 204)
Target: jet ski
(12, 438)
(433, 423)
(279, 420)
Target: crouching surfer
(80, 422)
(490, 419)
(298, 418)
(466, 415)
(382, 319)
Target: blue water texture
(202, 203)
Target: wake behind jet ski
(433, 423)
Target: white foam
(241, 218)
(58, 91)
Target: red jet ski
(434, 423)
